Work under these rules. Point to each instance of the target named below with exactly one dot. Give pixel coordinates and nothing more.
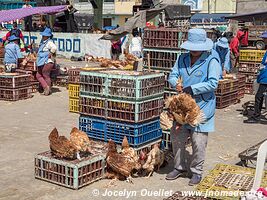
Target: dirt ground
(24, 128)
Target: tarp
(204, 17)
(137, 21)
(10, 15)
(249, 17)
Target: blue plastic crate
(105, 130)
(117, 84)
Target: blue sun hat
(47, 32)
(264, 35)
(197, 41)
(223, 42)
(12, 38)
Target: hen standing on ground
(155, 158)
(120, 165)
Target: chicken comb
(125, 142)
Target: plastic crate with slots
(119, 84)
(249, 88)
(14, 80)
(167, 38)
(248, 67)
(161, 60)
(241, 92)
(168, 93)
(35, 86)
(61, 81)
(74, 90)
(74, 105)
(74, 76)
(250, 55)
(250, 77)
(166, 139)
(227, 86)
(129, 111)
(226, 100)
(241, 80)
(28, 72)
(182, 196)
(105, 130)
(229, 178)
(15, 94)
(72, 174)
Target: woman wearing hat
(200, 71)
(46, 60)
(222, 48)
(12, 53)
(262, 81)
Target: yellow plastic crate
(74, 90)
(229, 178)
(251, 55)
(74, 105)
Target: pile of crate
(249, 65)
(14, 87)
(115, 103)
(29, 69)
(227, 93)
(74, 89)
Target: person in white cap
(200, 71)
(222, 48)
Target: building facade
(249, 6)
(115, 12)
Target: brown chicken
(128, 151)
(120, 165)
(184, 109)
(155, 159)
(80, 140)
(60, 146)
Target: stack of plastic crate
(74, 89)
(161, 50)
(249, 65)
(2, 54)
(31, 69)
(14, 87)
(227, 93)
(115, 103)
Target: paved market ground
(25, 125)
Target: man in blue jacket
(200, 71)
(222, 48)
(262, 80)
(12, 53)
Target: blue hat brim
(205, 46)
(223, 45)
(45, 34)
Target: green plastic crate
(130, 111)
(72, 174)
(122, 85)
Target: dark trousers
(259, 99)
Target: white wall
(74, 44)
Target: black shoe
(174, 174)
(195, 180)
(252, 120)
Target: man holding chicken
(199, 71)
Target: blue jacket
(262, 77)
(12, 53)
(42, 56)
(203, 78)
(224, 55)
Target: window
(107, 22)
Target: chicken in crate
(74, 162)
